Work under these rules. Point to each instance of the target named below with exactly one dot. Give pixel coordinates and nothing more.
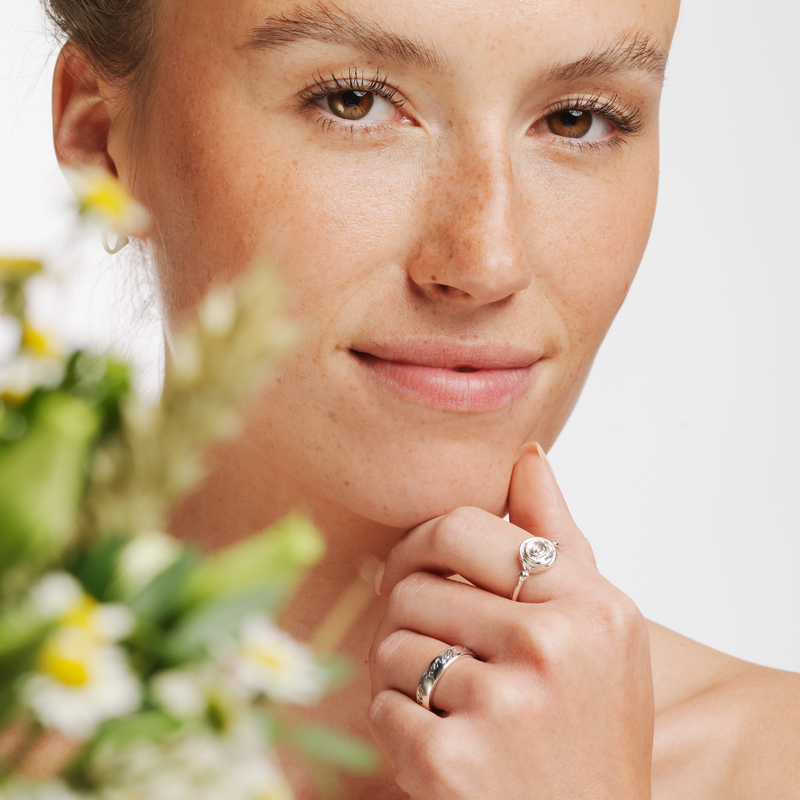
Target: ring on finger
(535, 555)
(435, 670)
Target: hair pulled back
(115, 36)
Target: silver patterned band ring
(535, 555)
(435, 670)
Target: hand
(560, 704)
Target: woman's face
(457, 193)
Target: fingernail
(526, 448)
(379, 576)
(544, 458)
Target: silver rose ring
(535, 555)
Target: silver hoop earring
(122, 241)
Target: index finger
(484, 550)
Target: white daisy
(146, 556)
(80, 682)
(200, 766)
(271, 662)
(104, 202)
(183, 692)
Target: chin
(407, 503)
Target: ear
(81, 114)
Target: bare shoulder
(725, 728)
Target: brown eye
(351, 104)
(572, 123)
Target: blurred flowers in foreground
(104, 203)
(152, 671)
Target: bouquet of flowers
(133, 667)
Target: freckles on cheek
(597, 240)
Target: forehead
(445, 34)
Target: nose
(471, 251)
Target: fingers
(402, 730)
(536, 505)
(400, 660)
(469, 542)
(485, 551)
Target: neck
(335, 608)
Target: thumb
(536, 505)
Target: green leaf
(101, 380)
(149, 648)
(277, 558)
(145, 726)
(217, 620)
(166, 593)
(42, 475)
(12, 424)
(338, 670)
(96, 565)
(22, 633)
(335, 748)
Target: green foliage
(88, 475)
(334, 748)
(42, 479)
(162, 598)
(217, 621)
(102, 381)
(95, 565)
(277, 558)
(22, 633)
(146, 726)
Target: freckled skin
(531, 244)
(459, 221)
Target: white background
(681, 462)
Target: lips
(448, 375)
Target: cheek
(588, 237)
(325, 221)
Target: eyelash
(626, 118)
(355, 81)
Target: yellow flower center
(66, 661)
(82, 614)
(271, 659)
(12, 398)
(107, 198)
(36, 341)
(19, 267)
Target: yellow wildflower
(104, 201)
(39, 342)
(19, 267)
(81, 677)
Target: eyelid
(627, 117)
(355, 80)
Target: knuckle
(476, 692)
(496, 698)
(390, 650)
(405, 591)
(377, 710)
(437, 761)
(547, 640)
(617, 617)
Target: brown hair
(116, 36)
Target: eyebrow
(333, 25)
(631, 51)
